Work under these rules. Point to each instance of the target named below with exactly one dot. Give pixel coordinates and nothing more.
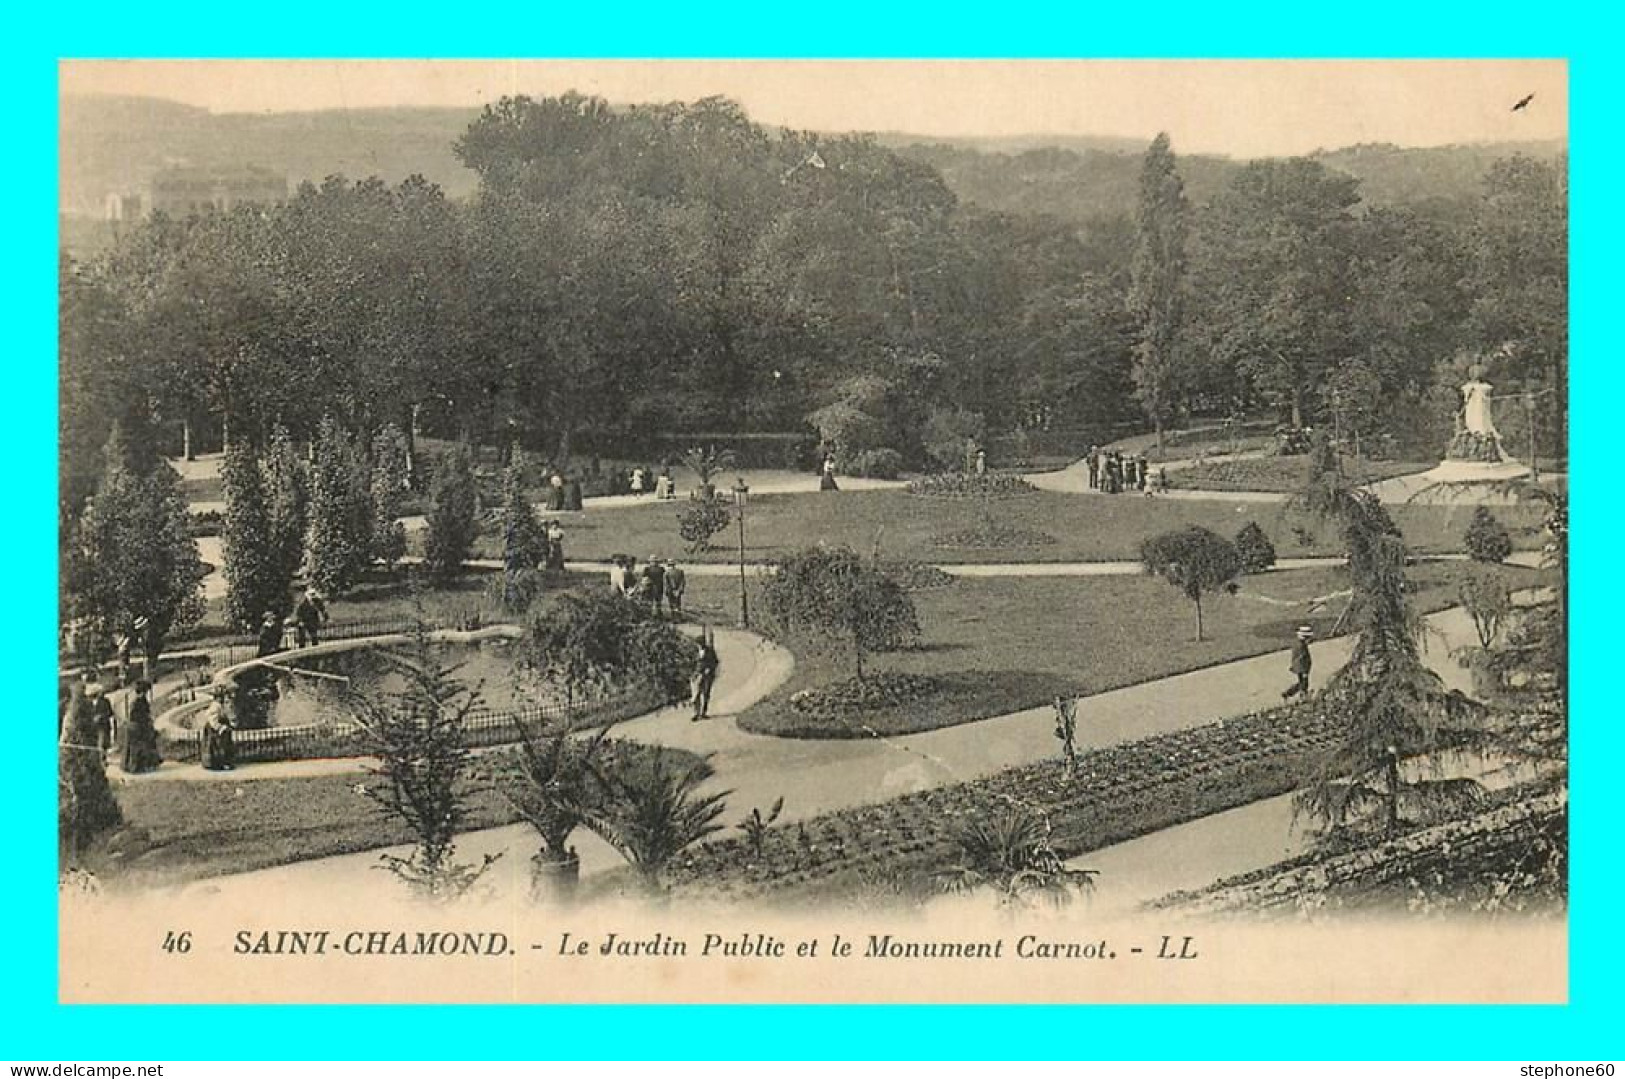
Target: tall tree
(140, 570)
(391, 457)
(1394, 706)
(340, 538)
(286, 494)
(1158, 282)
(259, 576)
(453, 509)
(1271, 271)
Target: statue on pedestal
(1476, 438)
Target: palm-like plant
(650, 810)
(548, 780)
(1011, 853)
(707, 461)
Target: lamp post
(1529, 415)
(741, 497)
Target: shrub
(1487, 539)
(879, 464)
(515, 590)
(1487, 600)
(86, 807)
(701, 519)
(1254, 548)
(587, 639)
(847, 601)
(205, 524)
(915, 576)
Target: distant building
(181, 191)
(122, 207)
(191, 190)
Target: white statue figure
(1475, 412)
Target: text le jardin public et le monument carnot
(574, 946)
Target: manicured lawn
(203, 489)
(1281, 475)
(1180, 445)
(998, 645)
(1085, 528)
(204, 829)
(196, 829)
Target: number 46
(178, 942)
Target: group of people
(1114, 472)
(563, 494)
(643, 480)
(658, 581)
(87, 722)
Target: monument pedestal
(1476, 472)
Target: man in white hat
(1301, 663)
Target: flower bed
(1279, 475)
(916, 576)
(1480, 861)
(970, 485)
(994, 535)
(1115, 794)
(840, 701)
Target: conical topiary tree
(340, 537)
(257, 579)
(453, 505)
(1487, 539)
(286, 503)
(389, 485)
(1255, 549)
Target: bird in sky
(1524, 103)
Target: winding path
(816, 777)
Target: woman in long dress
(218, 751)
(140, 737)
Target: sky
(1240, 107)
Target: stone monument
(1475, 453)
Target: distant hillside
(115, 144)
(1083, 184)
(1392, 174)
(1068, 184)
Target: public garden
(516, 623)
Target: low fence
(481, 728)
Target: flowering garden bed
(1116, 793)
(970, 485)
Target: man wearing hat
(676, 584)
(1300, 663)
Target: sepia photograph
(813, 531)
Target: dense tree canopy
(628, 272)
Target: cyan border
(33, 1026)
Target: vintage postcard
(781, 531)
